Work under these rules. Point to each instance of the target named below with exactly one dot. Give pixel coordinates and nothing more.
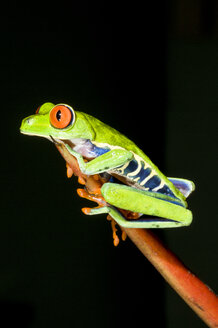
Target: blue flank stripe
(133, 165)
(99, 151)
(142, 174)
(166, 191)
(150, 184)
(153, 182)
(145, 173)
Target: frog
(132, 181)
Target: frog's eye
(61, 116)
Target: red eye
(61, 116)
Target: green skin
(122, 151)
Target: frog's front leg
(163, 213)
(103, 163)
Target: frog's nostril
(26, 124)
(29, 121)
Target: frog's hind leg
(161, 211)
(122, 221)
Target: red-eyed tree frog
(138, 185)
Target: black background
(149, 72)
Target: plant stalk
(194, 292)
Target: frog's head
(57, 122)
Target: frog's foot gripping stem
(101, 208)
(114, 215)
(95, 198)
(114, 231)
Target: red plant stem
(194, 292)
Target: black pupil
(58, 115)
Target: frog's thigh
(139, 201)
